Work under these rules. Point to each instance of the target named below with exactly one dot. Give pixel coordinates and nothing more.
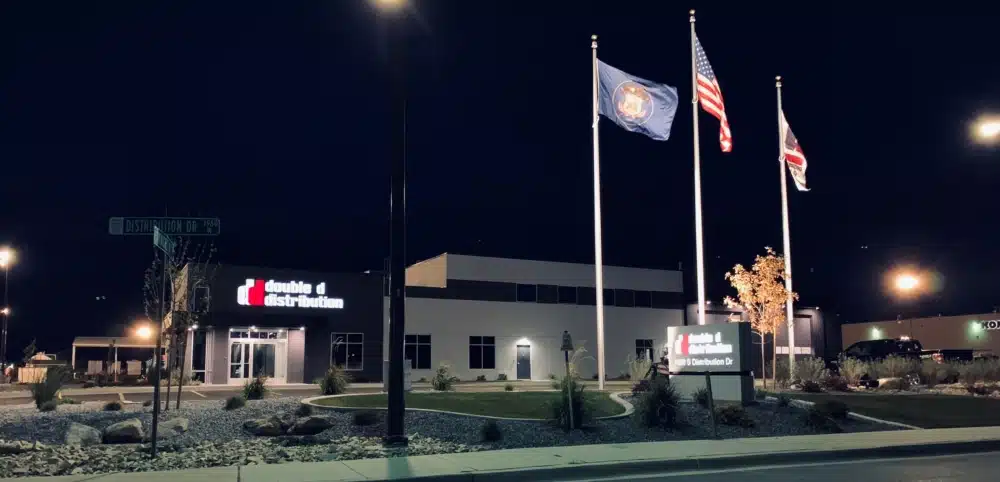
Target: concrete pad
(299, 472)
(406, 467)
(211, 474)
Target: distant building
(978, 332)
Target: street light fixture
(906, 282)
(987, 129)
(6, 259)
(144, 332)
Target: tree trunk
(170, 365)
(182, 348)
(774, 364)
(763, 363)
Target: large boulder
(172, 428)
(80, 434)
(267, 427)
(285, 419)
(126, 432)
(310, 426)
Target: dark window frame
(345, 347)
(478, 349)
(417, 341)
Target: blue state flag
(636, 104)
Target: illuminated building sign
(991, 324)
(708, 348)
(287, 294)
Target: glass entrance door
(251, 357)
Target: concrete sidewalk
(461, 386)
(591, 461)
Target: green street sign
(124, 226)
(163, 241)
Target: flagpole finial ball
(778, 78)
(593, 37)
(691, 12)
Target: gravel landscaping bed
(216, 437)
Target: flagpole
(789, 311)
(698, 234)
(598, 256)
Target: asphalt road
(964, 468)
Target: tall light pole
(394, 30)
(6, 259)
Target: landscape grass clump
(851, 368)
(895, 366)
(508, 387)
(490, 432)
(733, 415)
(113, 406)
(810, 369)
(820, 421)
(835, 409)
(443, 380)
(255, 389)
(304, 410)
(658, 406)
(701, 397)
(49, 406)
(364, 418)
(334, 381)
(570, 392)
(234, 402)
(48, 388)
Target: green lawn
(496, 404)
(925, 411)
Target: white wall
(451, 322)
(523, 271)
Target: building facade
(482, 316)
(486, 316)
(978, 332)
(283, 324)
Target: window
(643, 299)
(609, 297)
(644, 349)
(548, 294)
(526, 293)
(586, 296)
(567, 295)
(202, 299)
(347, 350)
(624, 298)
(482, 352)
(417, 349)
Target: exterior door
(251, 358)
(523, 362)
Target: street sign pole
(163, 243)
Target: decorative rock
(80, 434)
(172, 428)
(285, 419)
(129, 431)
(14, 447)
(310, 426)
(267, 427)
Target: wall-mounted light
(302, 328)
(253, 328)
(194, 326)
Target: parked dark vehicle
(944, 356)
(876, 350)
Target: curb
(311, 401)
(855, 415)
(647, 467)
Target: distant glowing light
(144, 332)
(907, 282)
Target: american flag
(792, 153)
(711, 96)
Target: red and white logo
(289, 294)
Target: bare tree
(761, 293)
(190, 267)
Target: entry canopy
(118, 341)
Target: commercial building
(482, 316)
(284, 324)
(978, 332)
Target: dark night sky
(273, 117)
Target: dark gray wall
(220, 356)
(296, 356)
(309, 356)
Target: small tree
(188, 268)
(761, 293)
(29, 351)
